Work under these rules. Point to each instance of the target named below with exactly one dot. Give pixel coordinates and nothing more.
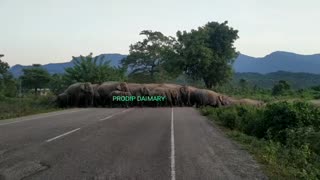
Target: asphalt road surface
(134, 143)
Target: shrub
(278, 117)
(284, 136)
(229, 118)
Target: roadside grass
(17, 107)
(283, 137)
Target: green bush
(284, 136)
(229, 119)
(15, 107)
(279, 117)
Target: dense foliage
(92, 69)
(147, 58)
(29, 104)
(205, 54)
(35, 78)
(208, 52)
(282, 135)
(7, 83)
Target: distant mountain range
(276, 61)
(296, 80)
(58, 68)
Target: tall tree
(35, 77)
(4, 67)
(7, 82)
(57, 84)
(147, 57)
(208, 52)
(94, 70)
(243, 83)
(281, 88)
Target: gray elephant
(188, 95)
(174, 90)
(96, 95)
(175, 96)
(199, 97)
(250, 102)
(214, 99)
(106, 88)
(80, 94)
(160, 91)
(138, 90)
(113, 103)
(63, 100)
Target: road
(134, 143)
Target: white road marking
(173, 170)
(53, 114)
(108, 117)
(64, 134)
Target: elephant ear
(183, 90)
(124, 87)
(118, 87)
(82, 87)
(145, 91)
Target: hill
(278, 61)
(296, 80)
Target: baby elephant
(119, 101)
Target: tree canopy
(147, 57)
(281, 88)
(35, 77)
(208, 52)
(92, 69)
(4, 67)
(7, 83)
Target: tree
(4, 67)
(57, 84)
(147, 57)
(281, 88)
(243, 84)
(7, 83)
(94, 70)
(208, 52)
(35, 77)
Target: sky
(50, 31)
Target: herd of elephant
(101, 95)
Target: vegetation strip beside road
(283, 136)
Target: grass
(17, 107)
(295, 158)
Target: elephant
(160, 91)
(96, 95)
(106, 88)
(249, 102)
(175, 96)
(138, 90)
(118, 93)
(63, 100)
(214, 99)
(204, 97)
(199, 97)
(174, 90)
(151, 86)
(226, 101)
(80, 94)
(187, 94)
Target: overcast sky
(45, 31)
